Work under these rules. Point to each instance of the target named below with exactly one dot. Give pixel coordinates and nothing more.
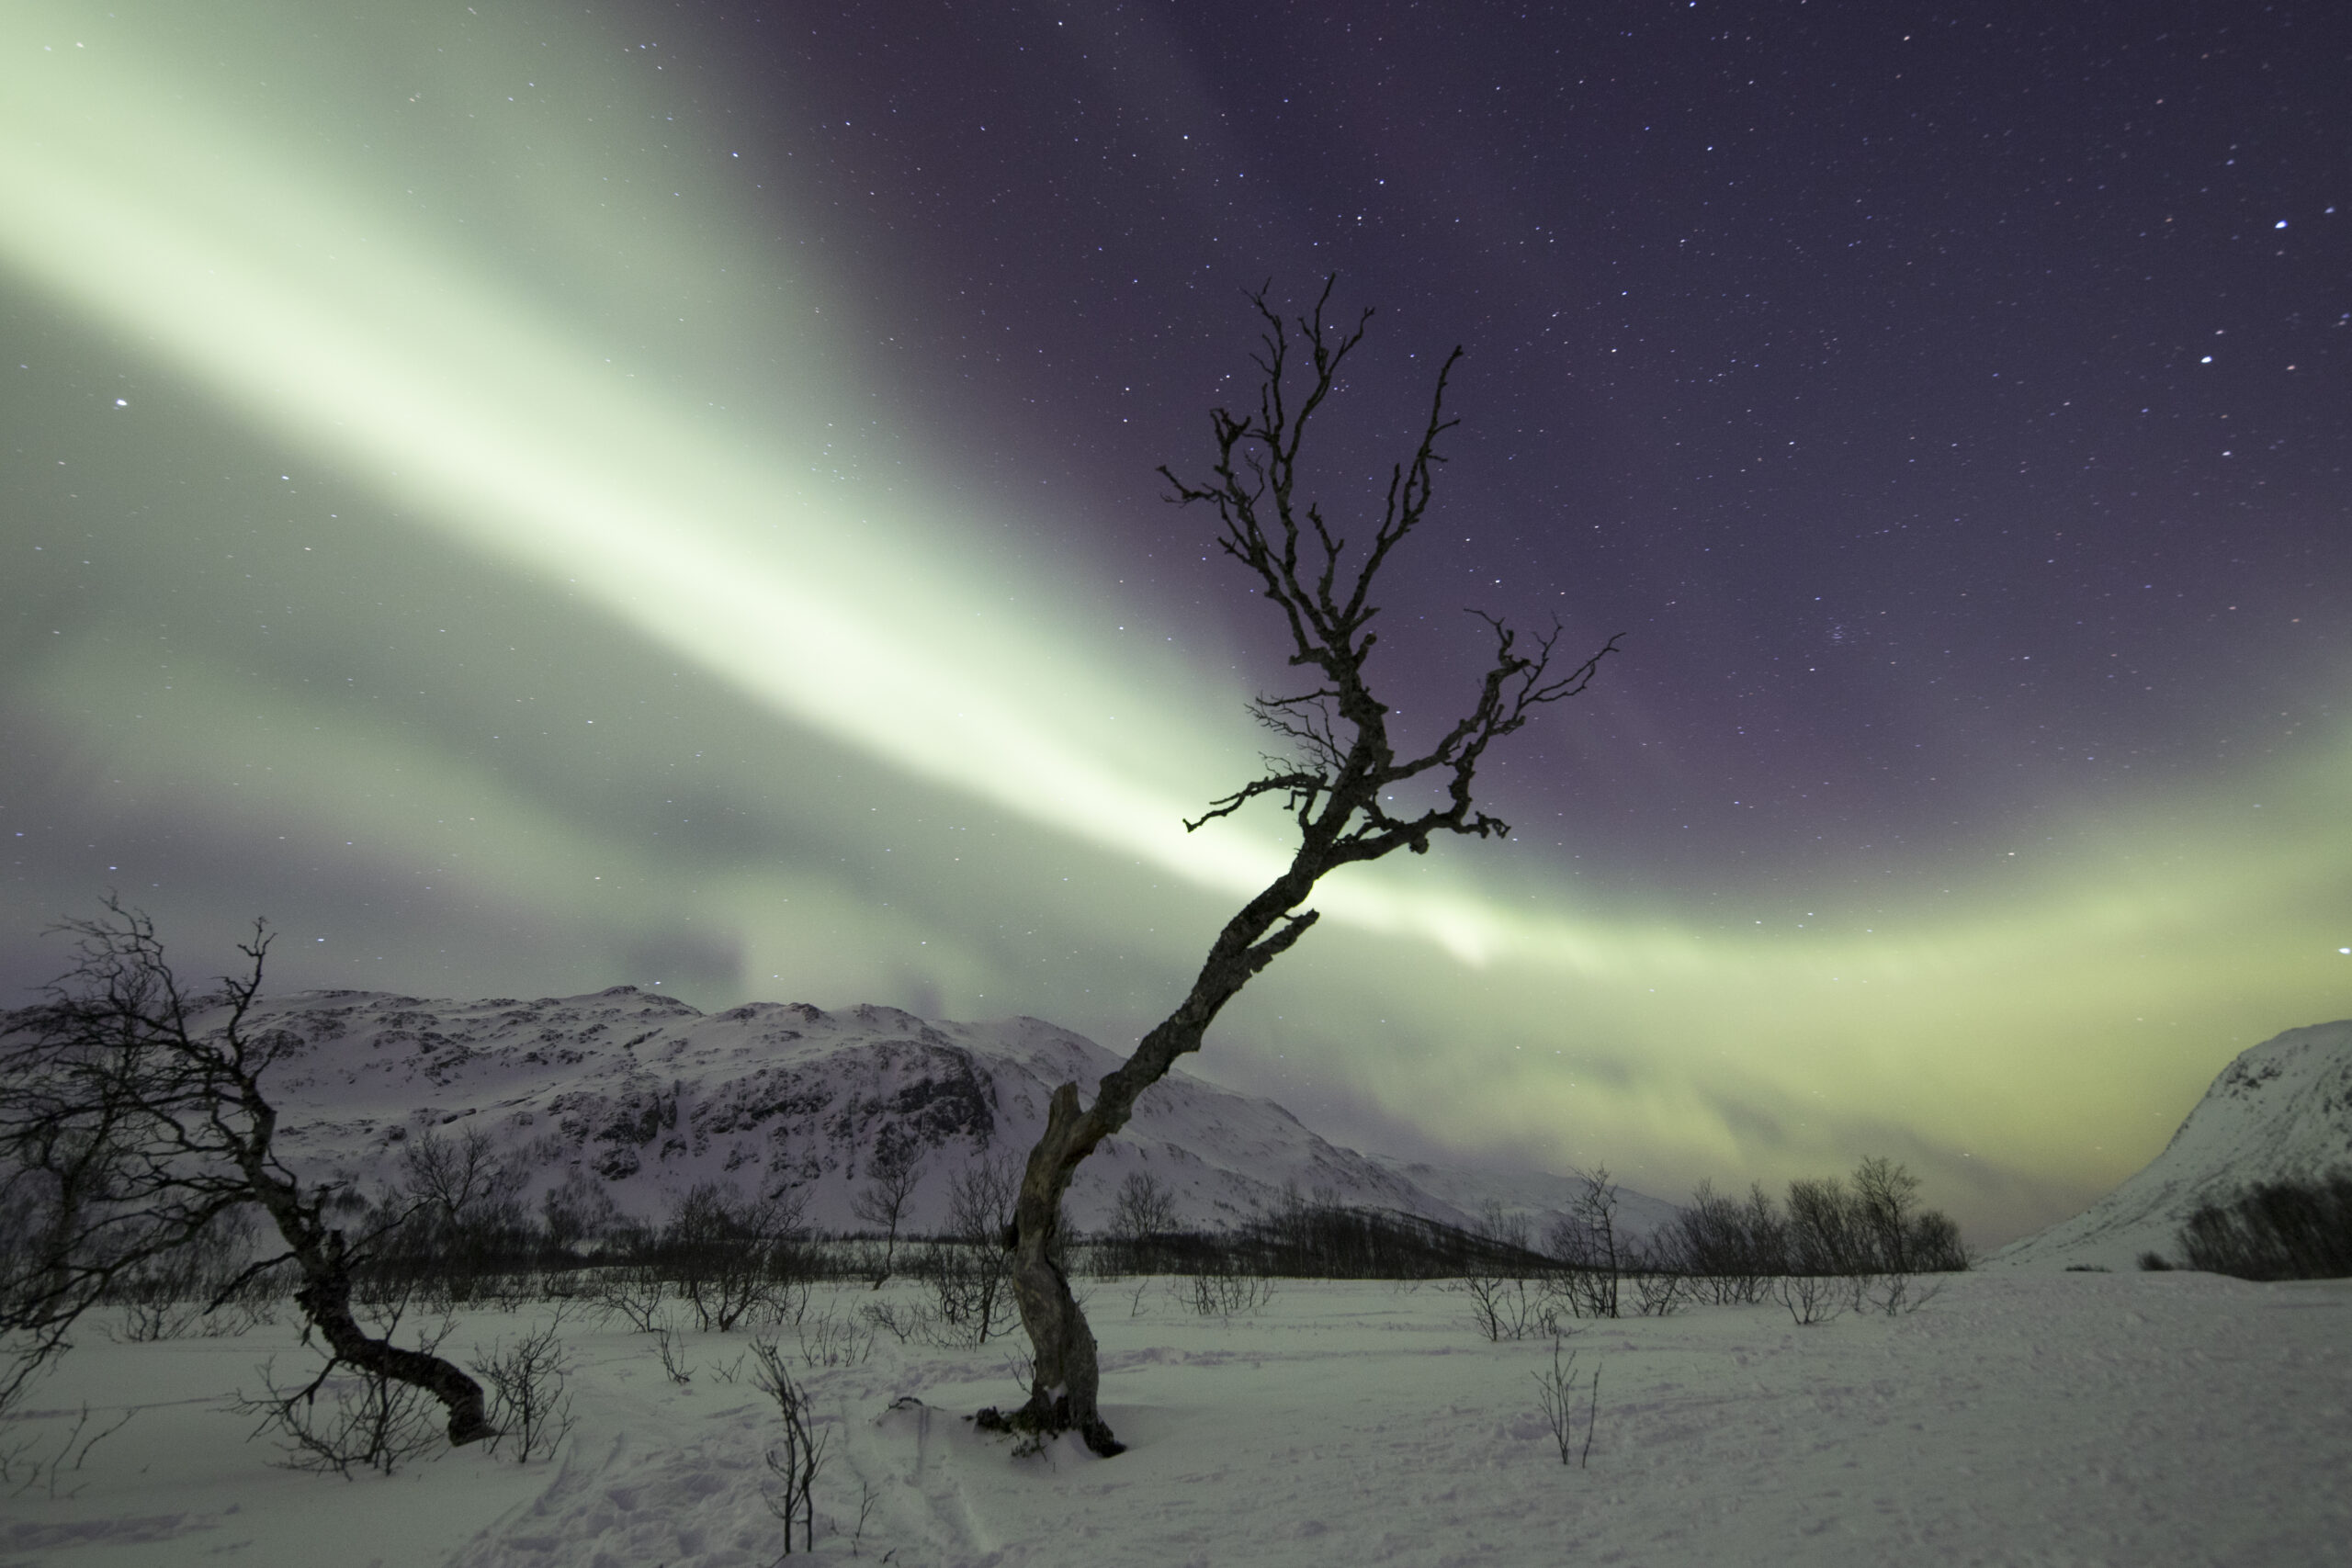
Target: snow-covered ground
(2017, 1418)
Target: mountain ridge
(647, 1095)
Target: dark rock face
(635, 1089)
(932, 1093)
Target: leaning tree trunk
(324, 1295)
(118, 1078)
(326, 1300)
(1338, 788)
(1063, 1392)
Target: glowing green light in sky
(330, 322)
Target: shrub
(1871, 1227)
(2278, 1230)
(1505, 1309)
(528, 1402)
(1555, 1391)
(970, 1270)
(731, 1259)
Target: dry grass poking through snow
(2153, 1419)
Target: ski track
(2017, 1419)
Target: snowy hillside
(2283, 1109)
(648, 1096)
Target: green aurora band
(495, 560)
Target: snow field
(2016, 1418)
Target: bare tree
(796, 1461)
(527, 1386)
(969, 1268)
(1825, 1234)
(732, 1257)
(1555, 1391)
(1505, 1225)
(1586, 1238)
(1144, 1210)
(1338, 783)
(1886, 1198)
(892, 1175)
(132, 1116)
(453, 1225)
(576, 1211)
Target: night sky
(534, 497)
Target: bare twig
(794, 1462)
(527, 1397)
(673, 1356)
(1591, 1420)
(866, 1499)
(68, 1457)
(1556, 1393)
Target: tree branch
(133, 1116)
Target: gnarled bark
(324, 1297)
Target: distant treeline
(456, 1228)
(1870, 1224)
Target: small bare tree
(527, 1389)
(1586, 1238)
(1555, 1391)
(132, 1112)
(969, 1268)
(1826, 1234)
(1886, 1197)
(730, 1257)
(1144, 1210)
(795, 1463)
(891, 1177)
(1339, 782)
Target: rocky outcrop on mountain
(2282, 1110)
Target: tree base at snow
(1040, 1421)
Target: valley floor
(2042, 1419)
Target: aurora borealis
(537, 497)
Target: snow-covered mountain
(648, 1096)
(2283, 1108)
